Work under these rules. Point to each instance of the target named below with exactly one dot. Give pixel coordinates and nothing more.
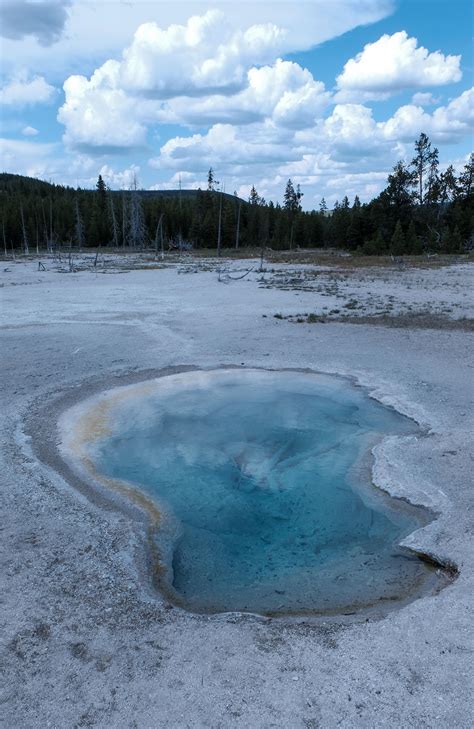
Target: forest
(421, 209)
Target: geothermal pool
(263, 487)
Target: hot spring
(262, 484)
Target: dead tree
(159, 228)
(237, 232)
(45, 227)
(50, 246)
(219, 226)
(124, 220)
(137, 228)
(37, 234)
(79, 227)
(114, 222)
(23, 229)
(4, 238)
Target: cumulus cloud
(207, 55)
(199, 73)
(47, 161)
(306, 24)
(284, 91)
(121, 179)
(236, 148)
(393, 63)
(447, 123)
(27, 158)
(351, 129)
(260, 119)
(344, 152)
(99, 116)
(29, 131)
(424, 98)
(24, 91)
(44, 20)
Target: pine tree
(376, 246)
(398, 192)
(289, 198)
(397, 243)
(466, 179)
(453, 241)
(102, 193)
(299, 195)
(412, 242)
(448, 185)
(354, 231)
(254, 197)
(425, 162)
(211, 180)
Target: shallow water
(266, 507)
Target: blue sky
(328, 92)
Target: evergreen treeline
(421, 209)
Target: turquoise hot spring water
(262, 479)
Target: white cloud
(260, 119)
(198, 73)
(207, 55)
(24, 91)
(393, 63)
(346, 152)
(29, 131)
(45, 161)
(120, 179)
(98, 114)
(424, 98)
(235, 148)
(447, 123)
(306, 24)
(27, 158)
(284, 92)
(351, 128)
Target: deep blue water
(266, 506)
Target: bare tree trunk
(4, 238)
(114, 221)
(124, 221)
(219, 227)
(79, 227)
(50, 222)
(159, 227)
(23, 228)
(237, 233)
(162, 240)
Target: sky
(329, 93)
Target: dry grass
(418, 320)
(332, 258)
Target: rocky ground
(86, 641)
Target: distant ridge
(18, 183)
(184, 193)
